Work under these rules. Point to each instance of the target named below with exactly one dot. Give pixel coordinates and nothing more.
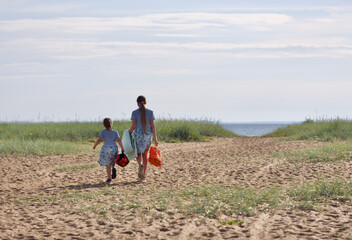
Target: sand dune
(40, 200)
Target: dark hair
(142, 101)
(107, 123)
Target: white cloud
(290, 37)
(223, 18)
(33, 76)
(183, 54)
(21, 65)
(172, 35)
(61, 44)
(168, 71)
(170, 21)
(84, 49)
(296, 8)
(58, 8)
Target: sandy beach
(41, 199)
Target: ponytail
(142, 101)
(143, 118)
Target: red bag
(122, 160)
(155, 156)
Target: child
(144, 131)
(109, 151)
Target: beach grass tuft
(321, 130)
(67, 132)
(209, 201)
(190, 130)
(40, 147)
(76, 137)
(321, 191)
(332, 152)
(75, 168)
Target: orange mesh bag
(155, 156)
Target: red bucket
(122, 160)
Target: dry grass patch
(208, 201)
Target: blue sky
(233, 61)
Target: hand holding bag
(155, 156)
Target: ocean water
(254, 129)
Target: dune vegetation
(76, 137)
(321, 130)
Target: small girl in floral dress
(109, 151)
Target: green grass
(321, 130)
(329, 153)
(212, 201)
(232, 222)
(74, 137)
(40, 147)
(189, 130)
(322, 191)
(208, 201)
(168, 130)
(75, 168)
(67, 132)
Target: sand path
(30, 188)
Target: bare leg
(145, 160)
(140, 167)
(108, 172)
(139, 158)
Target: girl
(109, 151)
(144, 131)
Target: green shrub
(189, 130)
(329, 153)
(40, 147)
(321, 191)
(61, 138)
(322, 130)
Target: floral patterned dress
(109, 151)
(143, 140)
(108, 155)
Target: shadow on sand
(87, 186)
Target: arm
(97, 142)
(133, 126)
(120, 143)
(154, 132)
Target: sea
(253, 129)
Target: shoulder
(150, 113)
(135, 114)
(115, 133)
(102, 133)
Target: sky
(228, 61)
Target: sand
(29, 185)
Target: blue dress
(109, 151)
(143, 140)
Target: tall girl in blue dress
(109, 151)
(144, 131)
